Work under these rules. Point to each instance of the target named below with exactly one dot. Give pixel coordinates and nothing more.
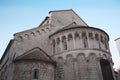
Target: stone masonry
(62, 47)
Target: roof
(62, 18)
(6, 50)
(35, 54)
(60, 10)
(59, 18)
(117, 39)
(74, 26)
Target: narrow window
(102, 39)
(53, 46)
(58, 40)
(64, 43)
(70, 37)
(106, 43)
(90, 35)
(35, 73)
(96, 37)
(76, 35)
(84, 38)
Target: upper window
(96, 37)
(90, 35)
(64, 43)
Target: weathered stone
(62, 47)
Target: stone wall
(33, 70)
(80, 66)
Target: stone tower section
(82, 53)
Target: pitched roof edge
(6, 50)
(80, 18)
(117, 39)
(27, 52)
(60, 10)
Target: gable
(65, 17)
(35, 54)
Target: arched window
(90, 35)
(102, 39)
(106, 46)
(53, 42)
(77, 35)
(96, 37)
(38, 32)
(32, 33)
(58, 40)
(64, 43)
(70, 37)
(84, 38)
(35, 73)
(27, 36)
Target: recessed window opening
(35, 73)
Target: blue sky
(19, 15)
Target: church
(62, 47)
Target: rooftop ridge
(60, 10)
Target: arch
(58, 40)
(70, 42)
(81, 57)
(63, 37)
(60, 68)
(84, 40)
(106, 46)
(69, 58)
(69, 55)
(47, 29)
(92, 54)
(84, 35)
(20, 38)
(58, 47)
(81, 54)
(104, 56)
(96, 36)
(92, 58)
(64, 43)
(27, 36)
(69, 68)
(70, 37)
(38, 32)
(102, 39)
(77, 35)
(77, 40)
(32, 33)
(82, 66)
(43, 30)
(92, 67)
(60, 59)
(91, 35)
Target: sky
(20, 15)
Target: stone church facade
(62, 47)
